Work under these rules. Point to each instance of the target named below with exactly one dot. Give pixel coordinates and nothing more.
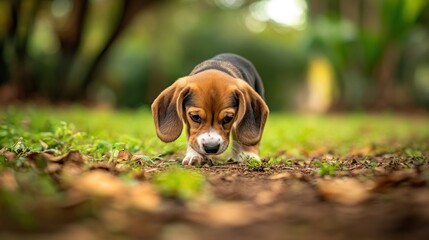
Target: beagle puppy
(221, 96)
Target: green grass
(94, 133)
(298, 134)
(102, 134)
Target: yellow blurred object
(320, 82)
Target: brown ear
(167, 111)
(251, 117)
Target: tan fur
(211, 95)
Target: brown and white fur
(221, 96)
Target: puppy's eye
(195, 118)
(227, 119)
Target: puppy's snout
(211, 147)
(210, 142)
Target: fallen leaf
(110, 166)
(398, 177)
(403, 175)
(8, 181)
(68, 163)
(301, 176)
(380, 169)
(33, 157)
(122, 167)
(75, 156)
(229, 214)
(99, 183)
(54, 167)
(10, 156)
(71, 170)
(38, 160)
(265, 197)
(360, 171)
(283, 175)
(103, 165)
(229, 178)
(145, 197)
(114, 220)
(346, 191)
(123, 155)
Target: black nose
(211, 147)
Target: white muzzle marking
(211, 142)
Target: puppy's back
(246, 68)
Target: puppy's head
(211, 104)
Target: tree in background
(68, 20)
(126, 52)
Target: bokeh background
(314, 56)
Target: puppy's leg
(192, 156)
(241, 152)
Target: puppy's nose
(211, 147)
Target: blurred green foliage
(180, 183)
(378, 49)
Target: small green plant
(20, 146)
(326, 169)
(252, 163)
(280, 160)
(416, 155)
(276, 160)
(180, 183)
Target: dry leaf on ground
(99, 183)
(229, 214)
(283, 175)
(346, 191)
(398, 177)
(8, 181)
(10, 156)
(72, 156)
(145, 197)
(123, 155)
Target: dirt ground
(292, 206)
(383, 196)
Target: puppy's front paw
(192, 157)
(246, 156)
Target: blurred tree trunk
(385, 76)
(69, 33)
(317, 8)
(22, 76)
(130, 9)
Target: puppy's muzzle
(211, 147)
(211, 142)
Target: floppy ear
(251, 116)
(167, 111)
